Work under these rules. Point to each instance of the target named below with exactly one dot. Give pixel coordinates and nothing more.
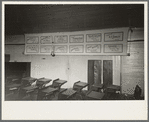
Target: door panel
(97, 72)
(107, 72)
(94, 72)
(90, 73)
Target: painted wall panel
(17, 53)
(15, 39)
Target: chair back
(76, 87)
(55, 84)
(137, 92)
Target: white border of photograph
(76, 110)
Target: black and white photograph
(74, 57)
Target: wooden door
(107, 72)
(97, 72)
(94, 72)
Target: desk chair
(25, 88)
(112, 89)
(67, 94)
(33, 92)
(41, 82)
(74, 93)
(11, 91)
(78, 87)
(48, 93)
(15, 87)
(42, 86)
(94, 93)
(29, 90)
(12, 87)
(57, 83)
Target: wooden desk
(68, 93)
(81, 84)
(113, 88)
(60, 81)
(29, 79)
(100, 86)
(13, 85)
(49, 90)
(95, 95)
(78, 86)
(28, 88)
(42, 81)
(12, 88)
(12, 79)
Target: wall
(133, 68)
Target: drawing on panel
(61, 39)
(32, 40)
(113, 36)
(113, 48)
(76, 38)
(61, 49)
(46, 39)
(32, 48)
(93, 48)
(45, 48)
(76, 48)
(93, 37)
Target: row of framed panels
(71, 49)
(79, 38)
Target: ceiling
(21, 19)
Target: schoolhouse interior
(74, 52)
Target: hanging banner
(92, 42)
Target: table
(81, 84)
(12, 88)
(42, 81)
(97, 87)
(100, 86)
(60, 81)
(78, 86)
(13, 85)
(113, 88)
(67, 94)
(28, 88)
(29, 79)
(47, 93)
(12, 79)
(95, 95)
(49, 90)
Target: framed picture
(76, 38)
(76, 49)
(93, 37)
(113, 36)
